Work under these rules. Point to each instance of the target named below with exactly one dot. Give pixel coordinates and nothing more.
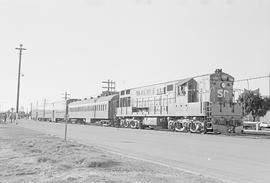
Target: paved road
(234, 159)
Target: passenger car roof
(94, 100)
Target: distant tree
(265, 106)
(254, 103)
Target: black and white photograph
(134, 91)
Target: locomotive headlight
(223, 85)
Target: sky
(74, 45)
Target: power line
(260, 77)
(254, 78)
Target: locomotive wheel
(171, 125)
(126, 124)
(180, 127)
(195, 127)
(122, 123)
(134, 124)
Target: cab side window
(181, 90)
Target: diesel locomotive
(196, 104)
(201, 103)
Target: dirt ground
(28, 156)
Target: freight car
(202, 103)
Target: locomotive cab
(226, 114)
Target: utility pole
(31, 110)
(110, 86)
(19, 77)
(269, 85)
(66, 113)
(37, 111)
(44, 109)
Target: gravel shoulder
(29, 156)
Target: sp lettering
(222, 93)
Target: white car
(264, 125)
